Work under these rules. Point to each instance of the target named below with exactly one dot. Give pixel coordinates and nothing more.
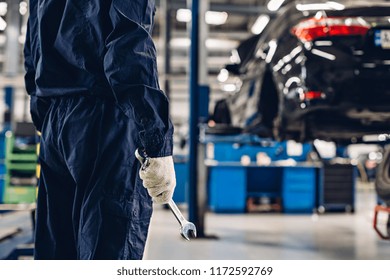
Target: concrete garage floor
(254, 236)
(330, 236)
(8, 223)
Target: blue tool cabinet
(181, 170)
(299, 189)
(231, 184)
(299, 185)
(227, 189)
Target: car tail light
(310, 95)
(314, 28)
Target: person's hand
(159, 178)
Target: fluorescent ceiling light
(295, 51)
(323, 43)
(221, 44)
(272, 49)
(180, 42)
(223, 75)
(183, 15)
(274, 5)
(320, 6)
(3, 8)
(23, 8)
(335, 5)
(211, 43)
(212, 17)
(311, 7)
(260, 23)
(229, 87)
(323, 54)
(3, 24)
(235, 57)
(216, 18)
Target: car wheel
(382, 180)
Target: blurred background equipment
(21, 164)
(281, 113)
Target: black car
(321, 70)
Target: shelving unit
(21, 165)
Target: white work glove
(159, 179)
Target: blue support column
(194, 117)
(204, 96)
(199, 104)
(8, 98)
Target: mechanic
(92, 77)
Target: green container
(20, 194)
(19, 164)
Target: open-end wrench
(187, 229)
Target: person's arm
(38, 106)
(131, 70)
(29, 77)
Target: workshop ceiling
(221, 40)
(241, 15)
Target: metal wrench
(187, 229)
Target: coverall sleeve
(131, 69)
(38, 106)
(29, 77)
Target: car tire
(382, 180)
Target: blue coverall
(92, 77)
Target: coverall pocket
(124, 229)
(115, 222)
(39, 109)
(139, 227)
